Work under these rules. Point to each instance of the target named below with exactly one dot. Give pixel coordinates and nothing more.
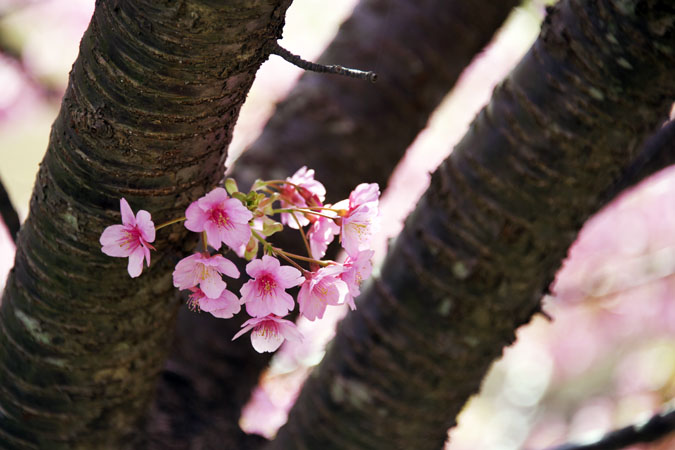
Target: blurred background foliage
(605, 360)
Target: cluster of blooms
(243, 222)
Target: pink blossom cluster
(243, 223)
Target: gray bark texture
(148, 115)
(486, 239)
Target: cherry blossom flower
(204, 270)
(323, 288)
(266, 292)
(320, 235)
(131, 239)
(269, 332)
(223, 307)
(224, 219)
(361, 219)
(313, 193)
(364, 193)
(358, 228)
(356, 270)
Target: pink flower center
(267, 330)
(193, 302)
(204, 271)
(266, 285)
(321, 290)
(221, 218)
(130, 239)
(360, 228)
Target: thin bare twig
(314, 67)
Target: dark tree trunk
(147, 115)
(419, 50)
(488, 236)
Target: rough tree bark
(486, 239)
(147, 115)
(350, 131)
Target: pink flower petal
(358, 228)
(255, 268)
(127, 214)
(321, 235)
(130, 239)
(266, 339)
(145, 225)
(236, 235)
(236, 211)
(226, 267)
(283, 305)
(213, 199)
(323, 289)
(265, 293)
(135, 266)
(195, 218)
(212, 285)
(289, 330)
(212, 234)
(269, 332)
(112, 240)
(364, 193)
(223, 307)
(270, 264)
(289, 277)
(243, 330)
(146, 254)
(308, 308)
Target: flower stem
(204, 241)
(303, 258)
(304, 236)
(302, 210)
(287, 255)
(277, 251)
(290, 261)
(170, 222)
(273, 182)
(322, 208)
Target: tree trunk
(417, 64)
(147, 115)
(488, 236)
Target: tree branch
(322, 68)
(657, 427)
(657, 153)
(8, 213)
